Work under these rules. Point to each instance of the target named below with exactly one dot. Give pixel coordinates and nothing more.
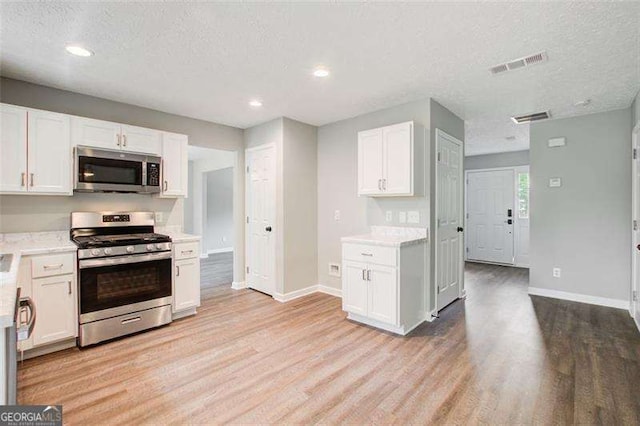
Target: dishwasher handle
(25, 330)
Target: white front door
(449, 259)
(261, 214)
(490, 208)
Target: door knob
(638, 246)
(460, 229)
(268, 229)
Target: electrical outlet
(557, 272)
(336, 215)
(389, 216)
(413, 217)
(402, 217)
(158, 216)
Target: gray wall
(583, 226)
(445, 120)
(188, 203)
(491, 161)
(300, 205)
(338, 183)
(43, 213)
(635, 110)
(218, 233)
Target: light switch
(413, 217)
(402, 217)
(336, 215)
(389, 216)
(555, 182)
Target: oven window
(117, 285)
(105, 170)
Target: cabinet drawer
(186, 250)
(48, 266)
(371, 254)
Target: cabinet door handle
(368, 274)
(58, 266)
(124, 140)
(119, 140)
(165, 186)
(380, 184)
(69, 286)
(32, 179)
(384, 184)
(177, 270)
(364, 275)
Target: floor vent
(534, 59)
(528, 118)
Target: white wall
(337, 183)
(493, 161)
(582, 227)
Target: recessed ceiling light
(321, 72)
(584, 103)
(79, 51)
(255, 103)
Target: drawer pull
(187, 251)
(130, 320)
(58, 266)
(367, 254)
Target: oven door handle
(123, 260)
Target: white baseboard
(332, 291)
(238, 285)
(431, 316)
(582, 298)
(285, 297)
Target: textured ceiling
(206, 60)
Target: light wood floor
(499, 357)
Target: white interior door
(490, 208)
(261, 214)
(449, 259)
(635, 303)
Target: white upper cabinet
(175, 163)
(139, 139)
(49, 155)
(105, 134)
(95, 133)
(385, 161)
(13, 149)
(35, 152)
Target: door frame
(461, 290)
(635, 219)
(247, 233)
(516, 217)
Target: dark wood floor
(216, 270)
(498, 357)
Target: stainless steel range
(124, 274)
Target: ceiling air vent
(534, 59)
(528, 118)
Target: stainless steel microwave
(106, 170)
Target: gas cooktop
(97, 241)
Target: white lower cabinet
(186, 278)
(55, 299)
(50, 281)
(384, 286)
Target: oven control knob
(150, 247)
(108, 251)
(130, 249)
(159, 246)
(95, 252)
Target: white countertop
(176, 234)
(25, 245)
(390, 236)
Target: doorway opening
(209, 212)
